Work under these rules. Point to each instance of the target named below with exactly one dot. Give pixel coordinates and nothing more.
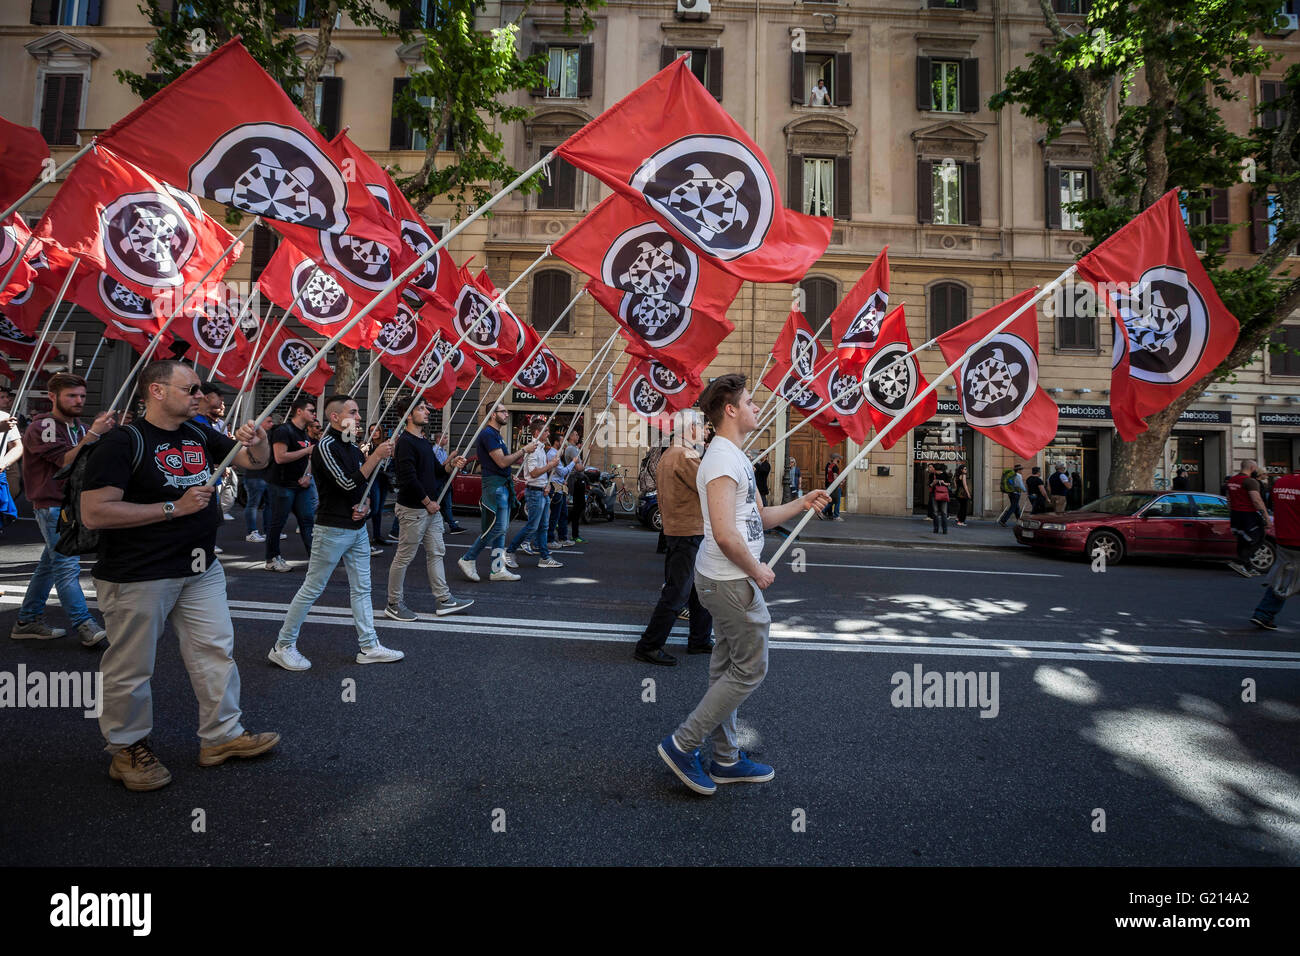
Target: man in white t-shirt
(536, 472)
(819, 95)
(730, 579)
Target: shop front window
(950, 444)
(1077, 449)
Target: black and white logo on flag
(714, 189)
(11, 333)
(121, 301)
(665, 379)
(891, 384)
(998, 381)
(321, 298)
(646, 399)
(417, 239)
(1168, 326)
(846, 396)
(363, 261)
(865, 327)
(537, 374)
(294, 354)
(147, 238)
(471, 304)
(658, 321)
(399, 334)
(803, 353)
(273, 171)
(646, 260)
(800, 393)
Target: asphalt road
(1119, 692)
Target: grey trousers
(415, 527)
(736, 668)
(134, 616)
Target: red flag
(28, 309)
(8, 373)
(401, 340)
(796, 348)
(113, 303)
(855, 323)
(459, 360)
(892, 384)
(807, 394)
(197, 132)
(673, 151)
(546, 375)
(325, 301)
(1171, 327)
(138, 338)
(288, 353)
(147, 235)
(13, 236)
(653, 390)
(22, 159)
(500, 337)
(14, 342)
(689, 340)
(997, 384)
(208, 323)
(420, 366)
(528, 349)
(666, 296)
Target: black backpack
(74, 537)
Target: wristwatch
(169, 510)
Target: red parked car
(1189, 523)
(468, 487)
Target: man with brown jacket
(679, 505)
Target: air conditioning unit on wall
(693, 9)
(1284, 25)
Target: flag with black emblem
(855, 323)
(323, 300)
(892, 382)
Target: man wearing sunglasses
(148, 495)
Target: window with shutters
(820, 296)
(551, 295)
(950, 4)
(1284, 359)
(328, 104)
(818, 186)
(1072, 185)
(1269, 92)
(560, 190)
(946, 185)
(562, 72)
(424, 14)
(1195, 215)
(819, 78)
(947, 307)
(1071, 8)
(403, 136)
(67, 13)
(945, 85)
(704, 62)
(61, 108)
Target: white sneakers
(288, 658)
(467, 568)
(511, 562)
(278, 564)
(378, 654)
(504, 575)
(255, 538)
(549, 563)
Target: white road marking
(890, 567)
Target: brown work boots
(139, 769)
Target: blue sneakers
(686, 766)
(743, 770)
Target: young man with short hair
(1014, 489)
(730, 580)
(340, 535)
(1034, 486)
(420, 478)
(1248, 516)
(290, 485)
(50, 442)
(496, 497)
(157, 520)
(537, 472)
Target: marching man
(730, 580)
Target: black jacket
(419, 474)
(336, 466)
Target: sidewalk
(906, 532)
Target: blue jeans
(832, 510)
(495, 504)
(329, 547)
(58, 570)
(1269, 605)
(302, 502)
(377, 496)
(539, 509)
(557, 528)
(1013, 507)
(257, 500)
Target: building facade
(874, 115)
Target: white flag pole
(22, 254)
(29, 373)
(600, 352)
(395, 283)
(505, 390)
(1043, 291)
(597, 374)
(42, 181)
(153, 344)
(234, 328)
(803, 353)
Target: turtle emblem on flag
(11, 333)
(865, 327)
(646, 260)
(273, 171)
(890, 384)
(147, 238)
(800, 394)
(846, 396)
(398, 335)
(714, 189)
(998, 380)
(536, 374)
(472, 305)
(665, 379)
(658, 321)
(646, 399)
(1167, 323)
(215, 322)
(803, 352)
(321, 299)
(122, 301)
(428, 373)
(294, 354)
(418, 241)
(454, 358)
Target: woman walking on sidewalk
(961, 490)
(940, 494)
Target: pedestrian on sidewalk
(730, 579)
(50, 442)
(940, 494)
(577, 486)
(340, 536)
(832, 512)
(379, 491)
(1013, 485)
(1037, 489)
(1247, 515)
(1286, 568)
(961, 491)
(495, 461)
(536, 470)
(145, 491)
(1059, 484)
(683, 520)
(420, 479)
(792, 480)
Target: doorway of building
(812, 453)
(1077, 449)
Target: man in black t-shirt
(146, 492)
(1059, 485)
(1037, 494)
(289, 485)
